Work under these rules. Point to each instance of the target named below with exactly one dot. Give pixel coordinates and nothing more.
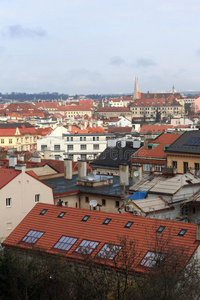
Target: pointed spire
(173, 89)
(136, 89)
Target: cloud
(116, 61)
(198, 52)
(143, 62)
(18, 31)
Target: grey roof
(151, 205)
(61, 185)
(188, 142)
(113, 157)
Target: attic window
(151, 259)
(182, 232)
(32, 237)
(61, 214)
(128, 224)
(107, 221)
(108, 251)
(86, 247)
(160, 229)
(65, 243)
(43, 211)
(85, 218)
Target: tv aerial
(136, 174)
(93, 203)
(91, 177)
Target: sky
(98, 47)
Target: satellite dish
(136, 174)
(93, 203)
(91, 177)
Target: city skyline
(85, 47)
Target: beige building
(71, 111)
(110, 112)
(19, 192)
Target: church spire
(173, 89)
(136, 89)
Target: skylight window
(61, 214)
(43, 211)
(85, 218)
(182, 232)
(108, 251)
(128, 224)
(160, 229)
(32, 237)
(151, 258)
(65, 243)
(107, 221)
(86, 247)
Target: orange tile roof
(7, 175)
(154, 128)
(142, 231)
(156, 102)
(158, 151)
(122, 109)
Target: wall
(180, 158)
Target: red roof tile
(119, 129)
(7, 175)
(154, 128)
(122, 109)
(143, 231)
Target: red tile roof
(158, 151)
(142, 231)
(119, 129)
(105, 109)
(74, 108)
(154, 128)
(156, 102)
(47, 105)
(7, 175)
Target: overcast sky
(90, 46)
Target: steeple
(173, 89)
(136, 89)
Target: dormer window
(32, 236)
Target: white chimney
(21, 157)
(36, 158)
(21, 167)
(82, 168)
(67, 168)
(12, 160)
(124, 174)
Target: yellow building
(19, 136)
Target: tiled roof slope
(158, 151)
(156, 102)
(102, 109)
(7, 175)
(188, 142)
(9, 129)
(119, 129)
(157, 129)
(142, 231)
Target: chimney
(47, 153)
(82, 168)
(136, 173)
(21, 157)
(69, 127)
(12, 160)
(124, 174)
(59, 203)
(36, 158)
(198, 231)
(21, 167)
(67, 168)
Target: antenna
(91, 177)
(93, 203)
(136, 174)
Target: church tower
(136, 89)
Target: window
(194, 210)
(32, 236)
(128, 224)
(174, 164)
(182, 232)
(97, 138)
(159, 167)
(151, 259)
(72, 138)
(65, 243)
(37, 197)
(185, 167)
(83, 156)
(71, 156)
(80, 138)
(10, 141)
(103, 202)
(86, 247)
(86, 199)
(61, 214)
(108, 251)
(57, 157)
(43, 147)
(93, 138)
(2, 141)
(116, 203)
(57, 147)
(43, 212)
(147, 167)
(83, 147)
(107, 221)
(85, 218)
(8, 202)
(96, 147)
(70, 147)
(84, 138)
(196, 166)
(160, 229)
